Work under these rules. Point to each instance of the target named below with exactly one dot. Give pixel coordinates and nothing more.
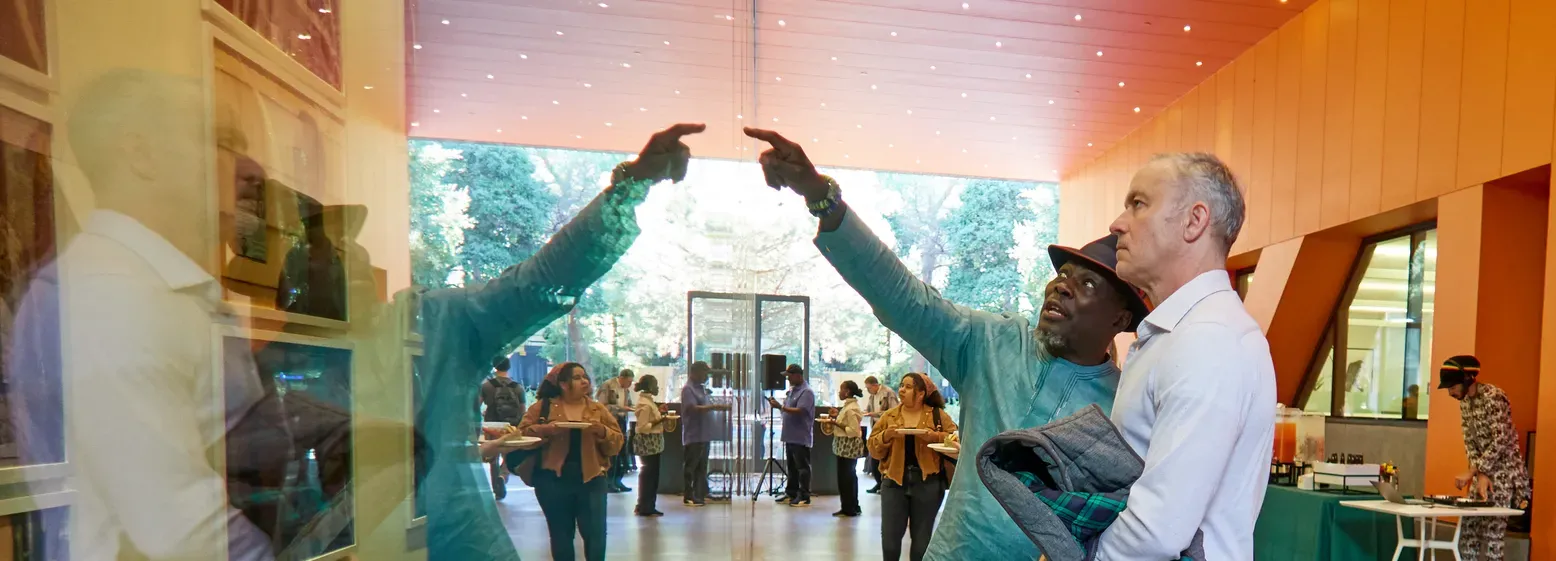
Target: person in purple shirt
(697, 409)
(799, 427)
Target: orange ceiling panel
(993, 88)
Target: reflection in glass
(289, 454)
(23, 33)
(308, 31)
(27, 241)
(1387, 334)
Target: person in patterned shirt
(1497, 471)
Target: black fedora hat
(1102, 257)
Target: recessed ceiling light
(642, 109)
(1137, 109)
(607, 124)
(964, 95)
(845, 156)
(523, 56)
(560, 33)
(490, 77)
(1099, 53)
(894, 34)
(965, 6)
(740, 116)
(1199, 63)
(1050, 102)
(834, 59)
(931, 67)
(891, 145)
(782, 23)
(367, 87)
(499, 131)
(524, 117)
(555, 102)
(588, 85)
(1120, 84)
(436, 111)
(1029, 76)
(626, 65)
(1088, 145)
(304, 36)
(872, 86)
(991, 118)
(460, 95)
(416, 46)
(578, 136)
(775, 119)
(1077, 17)
(937, 133)
(814, 139)
(604, 5)
(778, 78)
(729, 18)
(858, 126)
(823, 104)
(1012, 138)
(917, 161)
(677, 92)
(324, 10)
(910, 111)
(445, 22)
(667, 42)
(998, 44)
(964, 150)
(1187, 28)
(415, 123)
(1055, 172)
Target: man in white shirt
(882, 399)
(1197, 396)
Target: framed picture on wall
(290, 440)
(306, 31)
(31, 406)
(24, 34)
(279, 184)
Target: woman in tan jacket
(915, 476)
(650, 436)
(568, 472)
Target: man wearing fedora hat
(1497, 472)
(1010, 373)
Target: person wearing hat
(1198, 392)
(1497, 472)
(799, 427)
(1008, 371)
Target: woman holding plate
(847, 445)
(915, 477)
(581, 435)
(650, 443)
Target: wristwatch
(827, 205)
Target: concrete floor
(741, 531)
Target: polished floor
(739, 530)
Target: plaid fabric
(1086, 514)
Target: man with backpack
(504, 400)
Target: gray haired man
(1197, 396)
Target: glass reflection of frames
(284, 245)
(307, 31)
(24, 34)
(32, 437)
(288, 449)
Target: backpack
(508, 403)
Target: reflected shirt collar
(172, 265)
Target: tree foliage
(438, 219)
(510, 211)
(985, 273)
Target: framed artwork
(307, 31)
(279, 182)
(31, 429)
(24, 34)
(289, 446)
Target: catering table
(1424, 520)
(1297, 525)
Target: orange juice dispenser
(1286, 434)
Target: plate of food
(572, 424)
(951, 451)
(494, 425)
(912, 432)
(672, 416)
(519, 442)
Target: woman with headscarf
(568, 473)
(847, 445)
(915, 476)
(649, 442)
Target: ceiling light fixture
(1029, 76)
(1077, 17)
(778, 78)
(490, 77)
(872, 86)
(894, 34)
(524, 117)
(667, 42)
(304, 36)
(677, 92)
(1099, 53)
(775, 119)
(324, 10)
(436, 111)
(1199, 63)
(910, 111)
(1120, 84)
(415, 123)
(814, 139)
(741, 117)
(559, 33)
(588, 85)
(1186, 29)
(607, 124)
(416, 46)
(937, 133)
(858, 126)
(578, 136)
(931, 67)
(1137, 109)
(445, 22)
(991, 118)
(1088, 145)
(555, 102)
(964, 95)
(523, 56)
(604, 5)
(1050, 102)
(965, 6)
(823, 104)
(499, 131)
(642, 109)
(460, 95)
(729, 18)
(367, 87)
(626, 65)
(834, 59)
(998, 44)
(782, 23)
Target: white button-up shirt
(1197, 400)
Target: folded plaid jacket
(1065, 482)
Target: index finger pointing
(783, 145)
(679, 130)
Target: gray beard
(1050, 343)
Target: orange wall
(1347, 111)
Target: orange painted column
(1300, 283)
(1488, 302)
(1544, 522)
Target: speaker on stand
(772, 368)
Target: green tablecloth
(1298, 525)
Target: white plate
(494, 425)
(951, 451)
(522, 443)
(824, 419)
(572, 424)
(912, 432)
(672, 417)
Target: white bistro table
(1425, 521)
